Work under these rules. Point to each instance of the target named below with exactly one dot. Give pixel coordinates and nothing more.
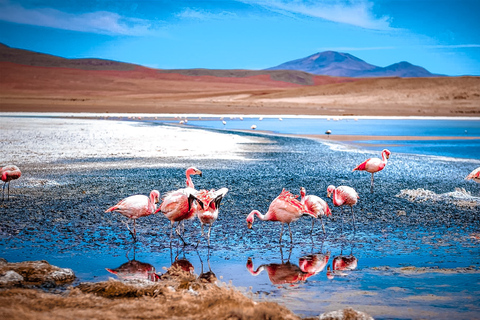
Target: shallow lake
(415, 257)
(367, 126)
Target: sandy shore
(86, 138)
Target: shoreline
(81, 114)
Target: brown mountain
(31, 81)
(339, 64)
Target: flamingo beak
(329, 194)
(249, 224)
(199, 173)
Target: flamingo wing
(177, 204)
(475, 174)
(286, 204)
(317, 205)
(132, 207)
(362, 166)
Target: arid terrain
(34, 82)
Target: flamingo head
(155, 196)
(387, 153)
(193, 171)
(250, 219)
(330, 275)
(303, 192)
(330, 190)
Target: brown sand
(142, 90)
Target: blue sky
(441, 35)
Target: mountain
(36, 59)
(339, 64)
(275, 77)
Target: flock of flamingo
(188, 203)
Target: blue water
(457, 148)
(64, 222)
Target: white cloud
(454, 46)
(198, 14)
(347, 49)
(353, 12)
(102, 22)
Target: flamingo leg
(291, 238)
(171, 231)
(281, 232)
(177, 230)
(208, 235)
(353, 216)
(3, 193)
(8, 190)
(323, 226)
(371, 184)
(313, 222)
(129, 230)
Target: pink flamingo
(284, 208)
(373, 165)
(208, 205)
(7, 174)
(316, 205)
(179, 205)
(474, 175)
(343, 195)
(135, 207)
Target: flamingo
(343, 195)
(373, 165)
(137, 206)
(208, 205)
(474, 175)
(179, 205)
(8, 173)
(284, 208)
(316, 205)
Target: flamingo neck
(189, 181)
(336, 199)
(302, 199)
(251, 269)
(384, 157)
(257, 213)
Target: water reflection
(314, 263)
(342, 263)
(135, 270)
(207, 276)
(289, 273)
(279, 273)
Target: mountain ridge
(340, 64)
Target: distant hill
(36, 59)
(338, 64)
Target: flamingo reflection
(135, 270)
(314, 263)
(342, 263)
(208, 276)
(279, 273)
